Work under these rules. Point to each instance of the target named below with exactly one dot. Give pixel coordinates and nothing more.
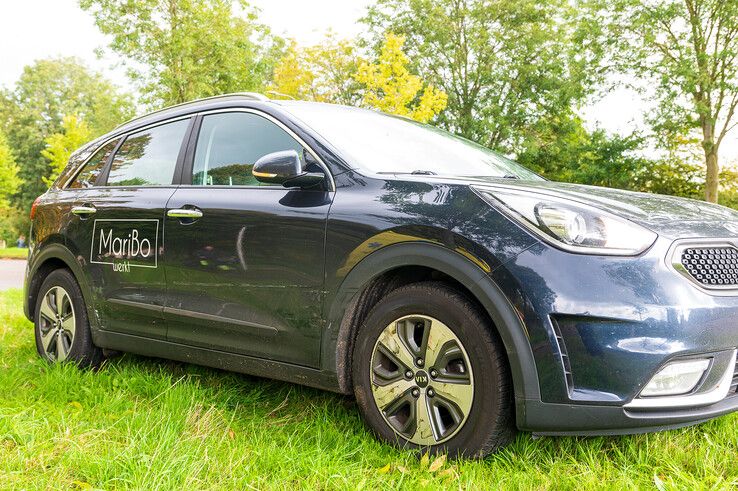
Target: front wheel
(429, 372)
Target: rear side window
(92, 169)
(230, 143)
(148, 158)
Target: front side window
(230, 143)
(149, 157)
(92, 169)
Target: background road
(11, 273)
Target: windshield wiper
(510, 176)
(419, 172)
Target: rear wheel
(61, 327)
(429, 372)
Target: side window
(88, 175)
(230, 143)
(148, 158)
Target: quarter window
(88, 175)
(230, 143)
(148, 158)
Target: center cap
(421, 379)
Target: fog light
(676, 378)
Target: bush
(13, 222)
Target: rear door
(245, 272)
(117, 228)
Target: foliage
(688, 49)
(390, 87)
(562, 149)
(179, 50)
(324, 72)
(13, 252)
(14, 223)
(291, 78)
(504, 65)
(60, 146)
(46, 92)
(9, 180)
(139, 423)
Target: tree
(563, 149)
(390, 87)
(9, 180)
(504, 64)
(46, 92)
(179, 50)
(13, 221)
(292, 79)
(324, 72)
(689, 50)
(59, 146)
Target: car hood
(668, 216)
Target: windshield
(383, 144)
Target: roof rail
(254, 96)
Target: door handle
(184, 213)
(83, 210)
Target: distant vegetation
(513, 76)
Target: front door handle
(184, 213)
(83, 210)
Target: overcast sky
(33, 29)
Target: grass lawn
(149, 424)
(13, 253)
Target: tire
(464, 385)
(61, 326)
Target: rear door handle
(83, 210)
(184, 213)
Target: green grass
(149, 424)
(13, 253)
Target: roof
(249, 96)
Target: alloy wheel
(421, 379)
(57, 323)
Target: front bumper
(600, 328)
(590, 420)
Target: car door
(117, 228)
(245, 261)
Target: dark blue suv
(457, 295)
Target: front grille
(713, 266)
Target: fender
(336, 340)
(59, 252)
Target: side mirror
(285, 168)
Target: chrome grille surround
(709, 264)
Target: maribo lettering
(125, 244)
(128, 246)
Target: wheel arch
(381, 271)
(50, 258)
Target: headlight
(572, 226)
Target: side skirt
(217, 359)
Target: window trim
(103, 178)
(192, 147)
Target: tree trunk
(713, 173)
(711, 160)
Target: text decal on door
(125, 243)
